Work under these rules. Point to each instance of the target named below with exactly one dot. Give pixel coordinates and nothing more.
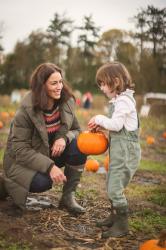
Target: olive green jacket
(27, 150)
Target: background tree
(1, 55)
(156, 20)
(87, 42)
(1, 36)
(151, 22)
(146, 61)
(140, 20)
(19, 65)
(73, 65)
(149, 75)
(128, 54)
(59, 32)
(108, 42)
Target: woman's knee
(40, 183)
(74, 156)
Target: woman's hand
(58, 147)
(57, 175)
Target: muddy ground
(52, 228)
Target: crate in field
(154, 104)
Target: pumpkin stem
(162, 239)
(93, 130)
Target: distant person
(42, 140)
(78, 97)
(87, 100)
(122, 122)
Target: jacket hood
(27, 100)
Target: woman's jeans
(71, 156)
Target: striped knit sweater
(52, 121)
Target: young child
(122, 123)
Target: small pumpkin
(92, 143)
(92, 165)
(12, 114)
(150, 140)
(1, 124)
(155, 244)
(106, 162)
(164, 135)
(4, 115)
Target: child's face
(107, 90)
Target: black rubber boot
(68, 197)
(107, 222)
(3, 192)
(120, 225)
(14, 211)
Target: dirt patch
(53, 228)
(147, 177)
(56, 229)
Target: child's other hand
(92, 124)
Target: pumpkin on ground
(12, 114)
(150, 140)
(4, 115)
(92, 143)
(1, 124)
(106, 162)
(164, 135)
(92, 165)
(155, 244)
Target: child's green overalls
(125, 154)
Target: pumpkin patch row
(5, 117)
(150, 140)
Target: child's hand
(92, 124)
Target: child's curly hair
(115, 75)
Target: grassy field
(146, 195)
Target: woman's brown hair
(110, 72)
(37, 84)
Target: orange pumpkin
(106, 162)
(92, 143)
(1, 124)
(12, 113)
(150, 140)
(164, 135)
(92, 165)
(4, 115)
(154, 244)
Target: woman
(42, 139)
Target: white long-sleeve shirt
(124, 114)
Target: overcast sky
(20, 17)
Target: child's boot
(120, 225)
(107, 222)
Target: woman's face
(54, 85)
